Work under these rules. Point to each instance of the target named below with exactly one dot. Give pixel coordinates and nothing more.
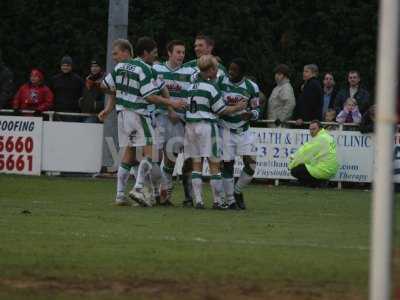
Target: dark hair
(242, 64)
(316, 122)
(123, 45)
(282, 69)
(354, 71)
(173, 43)
(207, 38)
(145, 43)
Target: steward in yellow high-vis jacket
(316, 160)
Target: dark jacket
(367, 123)
(92, 100)
(67, 89)
(333, 98)
(6, 86)
(309, 103)
(362, 97)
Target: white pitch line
(291, 244)
(263, 242)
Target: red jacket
(39, 98)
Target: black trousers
(301, 173)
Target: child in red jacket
(34, 95)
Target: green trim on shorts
(196, 120)
(126, 166)
(216, 177)
(146, 130)
(214, 141)
(196, 175)
(169, 170)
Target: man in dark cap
(92, 100)
(67, 88)
(6, 84)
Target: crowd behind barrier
(314, 99)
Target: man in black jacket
(6, 84)
(329, 93)
(309, 103)
(92, 100)
(67, 88)
(353, 90)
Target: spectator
(330, 116)
(67, 87)
(309, 103)
(329, 93)
(350, 112)
(261, 96)
(34, 95)
(6, 84)
(315, 161)
(368, 121)
(263, 103)
(92, 100)
(354, 90)
(282, 101)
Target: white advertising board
(20, 145)
(72, 147)
(273, 146)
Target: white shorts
(235, 144)
(169, 134)
(202, 140)
(134, 130)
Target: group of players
(164, 108)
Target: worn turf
(64, 237)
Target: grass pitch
(63, 239)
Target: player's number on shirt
(193, 105)
(125, 83)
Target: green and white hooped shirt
(133, 81)
(232, 93)
(177, 81)
(204, 101)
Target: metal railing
(340, 126)
(49, 113)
